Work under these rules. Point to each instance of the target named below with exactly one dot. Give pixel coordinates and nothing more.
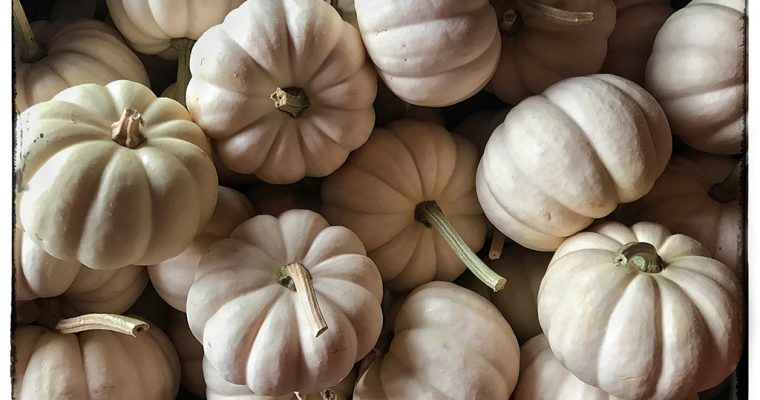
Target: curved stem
(296, 277)
(183, 46)
(126, 131)
(110, 322)
(497, 244)
(430, 214)
(557, 15)
(31, 50)
(293, 100)
(727, 190)
(640, 255)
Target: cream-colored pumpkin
(697, 73)
(259, 333)
(150, 25)
(517, 302)
(378, 191)
(84, 197)
(301, 54)
(190, 352)
(172, 278)
(95, 364)
(570, 155)
(542, 51)
(76, 52)
(630, 44)
(641, 313)
(431, 53)
(681, 200)
(276, 199)
(449, 343)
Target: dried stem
(110, 322)
(296, 277)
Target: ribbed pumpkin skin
(78, 51)
(86, 198)
(426, 72)
(449, 343)
(639, 335)
(570, 155)
(94, 365)
(262, 45)
(696, 72)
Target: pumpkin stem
(511, 22)
(31, 50)
(296, 277)
(183, 46)
(510, 14)
(641, 255)
(381, 347)
(110, 322)
(126, 131)
(497, 244)
(292, 100)
(431, 215)
(727, 190)
(328, 394)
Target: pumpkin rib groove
(684, 265)
(249, 56)
(360, 167)
(418, 236)
(400, 362)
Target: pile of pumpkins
(378, 199)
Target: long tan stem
(640, 255)
(126, 131)
(184, 47)
(297, 278)
(110, 322)
(31, 50)
(497, 244)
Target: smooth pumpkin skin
(630, 44)
(376, 192)
(86, 198)
(172, 278)
(150, 25)
(238, 64)
(254, 330)
(545, 52)
(190, 352)
(431, 53)
(449, 343)
(641, 335)
(570, 155)
(95, 364)
(78, 51)
(680, 200)
(697, 73)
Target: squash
(547, 41)
(50, 57)
(431, 53)
(672, 315)
(276, 199)
(517, 304)
(111, 176)
(449, 343)
(697, 72)
(570, 155)
(190, 352)
(283, 88)
(412, 180)
(129, 363)
(286, 304)
(630, 44)
(172, 278)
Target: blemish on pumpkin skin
(548, 216)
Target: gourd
(276, 199)
(547, 41)
(286, 304)
(283, 88)
(431, 53)
(50, 57)
(449, 343)
(172, 278)
(111, 176)
(95, 356)
(630, 44)
(570, 155)
(409, 196)
(672, 314)
(697, 73)
(190, 352)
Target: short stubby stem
(292, 100)
(431, 215)
(126, 131)
(497, 244)
(110, 322)
(511, 22)
(183, 46)
(641, 255)
(511, 15)
(31, 50)
(727, 190)
(296, 277)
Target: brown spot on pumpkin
(548, 216)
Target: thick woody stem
(640, 255)
(431, 215)
(290, 100)
(183, 46)
(110, 322)
(31, 50)
(727, 190)
(296, 277)
(497, 244)
(126, 131)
